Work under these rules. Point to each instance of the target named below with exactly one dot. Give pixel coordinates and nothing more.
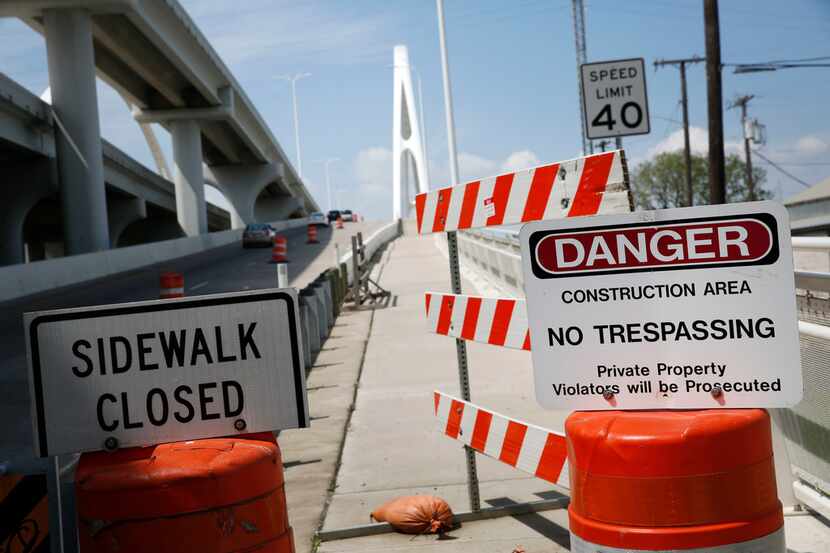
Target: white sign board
(167, 370)
(679, 308)
(614, 98)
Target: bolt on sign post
(679, 308)
(574, 188)
(151, 372)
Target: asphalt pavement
(225, 269)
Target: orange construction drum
(673, 480)
(213, 495)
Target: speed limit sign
(614, 98)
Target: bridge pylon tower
(410, 174)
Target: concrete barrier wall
(18, 281)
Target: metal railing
(805, 427)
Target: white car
(347, 215)
(318, 218)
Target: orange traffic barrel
(171, 285)
(312, 234)
(339, 222)
(279, 253)
(211, 496)
(673, 480)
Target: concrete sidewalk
(392, 446)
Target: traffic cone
(172, 285)
(279, 253)
(312, 235)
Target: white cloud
(472, 166)
(520, 160)
(811, 145)
(698, 143)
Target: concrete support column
(71, 59)
(27, 184)
(188, 178)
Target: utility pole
(687, 151)
(717, 175)
(741, 102)
(578, 11)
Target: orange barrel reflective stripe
(171, 285)
(312, 234)
(673, 480)
(212, 496)
(279, 253)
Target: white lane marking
(197, 286)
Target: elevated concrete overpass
(141, 205)
(156, 57)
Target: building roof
(820, 191)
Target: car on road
(348, 217)
(258, 234)
(333, 215)
(317, 218)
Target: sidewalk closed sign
(161, 371)
(679, 308)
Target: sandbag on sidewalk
(416, 514)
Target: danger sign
(687, 308)
(160, 371)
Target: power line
(782, 170)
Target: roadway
(226, 269)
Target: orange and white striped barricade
(590, 185)
(526, 447)
(584, 186)
(312, 235)
(279, 251)
(171, 285)
(494, 321)
(697, 481)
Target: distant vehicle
(258, 234)
(347, 216)
(333, 215)
(317, 218)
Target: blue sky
(514, 80)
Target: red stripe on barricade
(454, 419)
(481, 430)
(468, 206)
(441, 209)
(501, 320)
(501, 193)
(468, 331)
(540, 188)
(592, 185)
(420, 203)
(526, 343)
(427, 299)
(437, 400)
(513, 439)
(445, 315)
(553, 458)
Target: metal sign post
(463, 373)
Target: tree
(660, 183)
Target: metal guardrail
(805, 427)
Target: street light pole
(293, 80)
